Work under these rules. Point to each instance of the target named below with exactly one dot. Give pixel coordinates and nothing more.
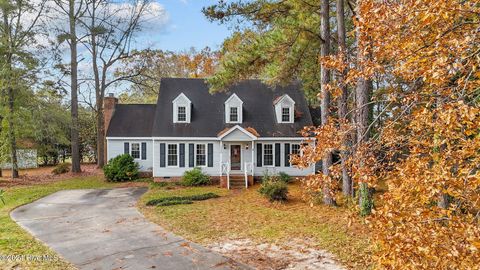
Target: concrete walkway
(102, 229)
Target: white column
(253, 158)
(153, 157)
(221, 156)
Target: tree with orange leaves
(426, 55)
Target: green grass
(16, 241)
(247, 214)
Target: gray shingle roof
(132, 120)
(208, 116)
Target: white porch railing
(225, 170)
(248, 171)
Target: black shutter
(182, 155)
(210, 155)
(277, 155)
(259, 155)
(191, 155)
(162, 155)
(287, 155)
(126, 148)
(144, 151)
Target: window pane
(285, 114)
(268, 154)
(295, 151)
(182, 114)
(201, 156)
(172, 155)
(233, 114)
(135, 153)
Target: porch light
(224, 146)
(246, 146)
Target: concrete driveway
(102, 229)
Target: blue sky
(184, 27)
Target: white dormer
(182, 109)
(233, 110)
(284, 109)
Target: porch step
(237, 181)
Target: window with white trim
(201, 155)
(285, 114)
(182, 114)
(172, 155)
(295, 151)
(268, 154)
(135, 150)
(233, 114)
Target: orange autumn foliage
(426, 57)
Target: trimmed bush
(195, 177)
(199, 197)
(168, 203)
(61, 168)
(121, 168)
(284, 177)
(266, 177)
(274, 190)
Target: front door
(235, 157)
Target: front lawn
(16, 241)
(247, 215)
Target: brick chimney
(109, 104)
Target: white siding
(292, 170)
(116, 148)
(177, 171)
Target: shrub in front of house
(274, 190)
(164, 201)
(174, 202)
(284, 177)
(121, 168)
(61, 168)
(195, 177)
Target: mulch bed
(44, 175)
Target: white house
(234, 136)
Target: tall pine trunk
(74, 89)
(343, 99)
(325, 98)
(10, 97)
(98, 91)
(362, 96)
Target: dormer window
(234, 114)
(234, 110)
(285, 114)
(182, 109)
(182, 114)
(284, 109)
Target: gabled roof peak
(283, 97)
(225, 132)
(233, 97)
(182, 95)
